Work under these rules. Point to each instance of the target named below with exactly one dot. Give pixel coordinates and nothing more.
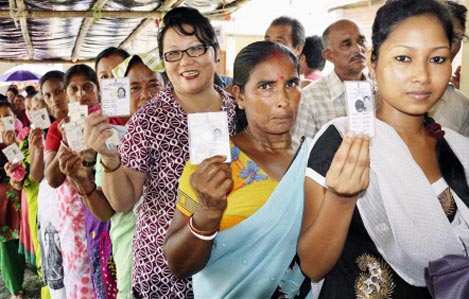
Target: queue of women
(342, 216)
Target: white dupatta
(400, 211)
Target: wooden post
(167, 5)
(15, 6)
(85, 27)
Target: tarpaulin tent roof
(72, 31)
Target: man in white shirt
(452, 110)
(324, 100)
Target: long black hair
(245, 62)
(450, 167)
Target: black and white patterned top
(157, 144)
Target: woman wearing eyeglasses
(153, 152)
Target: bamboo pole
(85, 27)
(117, 14)
(49, 14)
(18, 11)
(15, 6)
(24, 30)
(167, 5)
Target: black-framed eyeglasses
(194, 51)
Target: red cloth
(118, 121)
(21, 115)
(54, 137)
(10, 213)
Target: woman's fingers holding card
(212, 181)
(349, 171)
(97, 131)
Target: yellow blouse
(251, 189)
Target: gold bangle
(109, 170)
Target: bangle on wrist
(199, 234)
(90, 192)
(107, 169)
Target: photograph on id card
(115, 97)
(360, 107)
(40, 119)
(208, 136)
(13, 153)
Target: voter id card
(77, 112)
(208, 136)
(13, 153)
(115, 97)
(40, 119)
(360, 107)
(74, 132)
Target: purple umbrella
(18, 76)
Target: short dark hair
(51, 75)
(394, 12)
(245, 62)
(30, 91)
(13, 89)
(179, 16)
(457, 11)
(110, 52)
(312, 50)
(81, 69)
(297, 29)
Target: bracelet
(89, 193)
(198, 234)
(107, 169)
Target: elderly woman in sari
(245, 216)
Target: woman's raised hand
(9, 168)
(212, 181)
(350, 169)
(97, 130)
(35, 139)
(71, 165)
